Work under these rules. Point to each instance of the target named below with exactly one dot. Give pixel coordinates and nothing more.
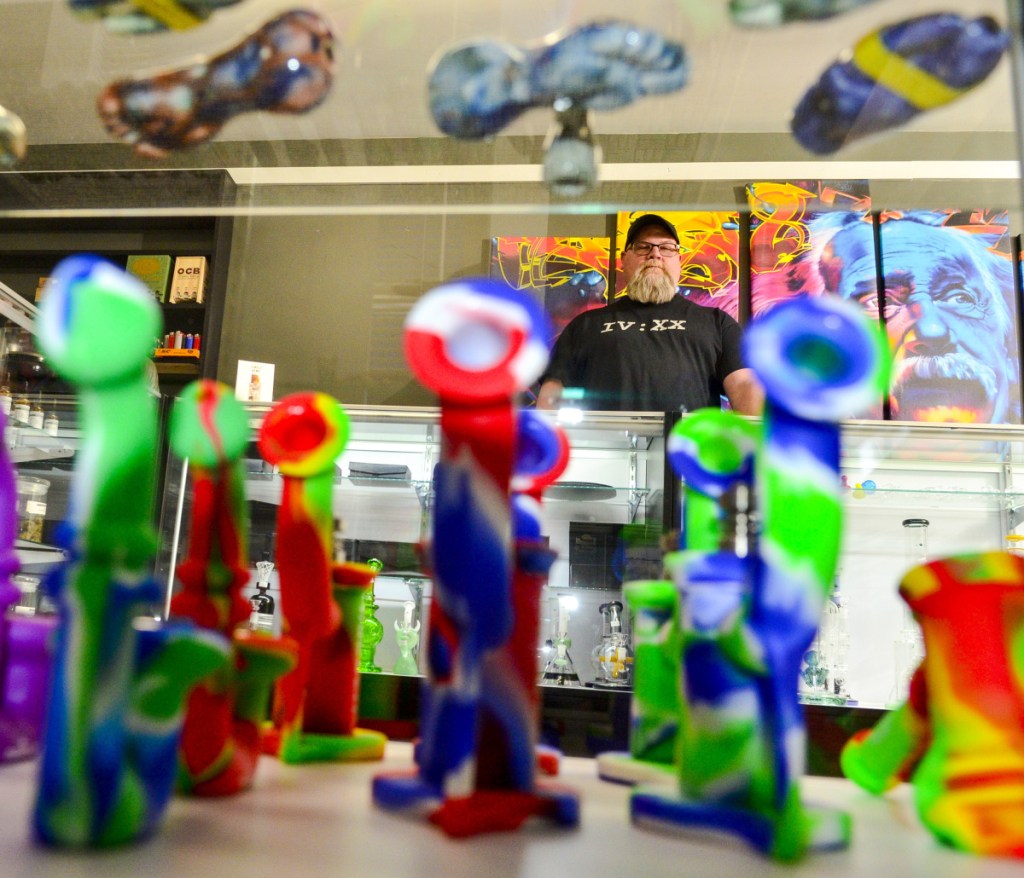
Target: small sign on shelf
(254, 382)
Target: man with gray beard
(651, 349)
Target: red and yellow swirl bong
(477, 344)
(314, 714)
(959, 739)
(221, 736)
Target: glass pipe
(287, 66)
(407, 633)
(147, 16)
(769, 13)
(13, 139)
(373, 630)
(823, 673)
(261, 615)
(908, 648)
(121, 678)
(614, 656)
(476, 89)
(894, 74)
(221, 739)
(559, 670)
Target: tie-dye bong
(24, 640)
(220, 740)
(713, 453)
(747, 617)
(315, 705)
(478, 88)
(120, 678)
(477, 344)
(960, 735)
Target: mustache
(947, 367)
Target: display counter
(318, 820)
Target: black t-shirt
(630, 356)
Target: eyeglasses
(642, 248)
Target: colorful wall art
(566, 275)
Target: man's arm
(744, 391)
(550, 394)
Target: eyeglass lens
(642, 248)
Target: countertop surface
(316, 821)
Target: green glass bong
(373, 630)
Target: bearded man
(651, 349)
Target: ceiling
(743, 80)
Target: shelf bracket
(17, 309)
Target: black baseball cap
(646, 221)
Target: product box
(153, 271)
(254, 382)
(188, 284)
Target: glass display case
(606, 516)
(323, 227)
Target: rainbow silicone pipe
(120, 678)
(819, 361)
(24, 657)
(476, 343)
(314, 709)
(713, 453)
(221, 737)
(966, 707)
